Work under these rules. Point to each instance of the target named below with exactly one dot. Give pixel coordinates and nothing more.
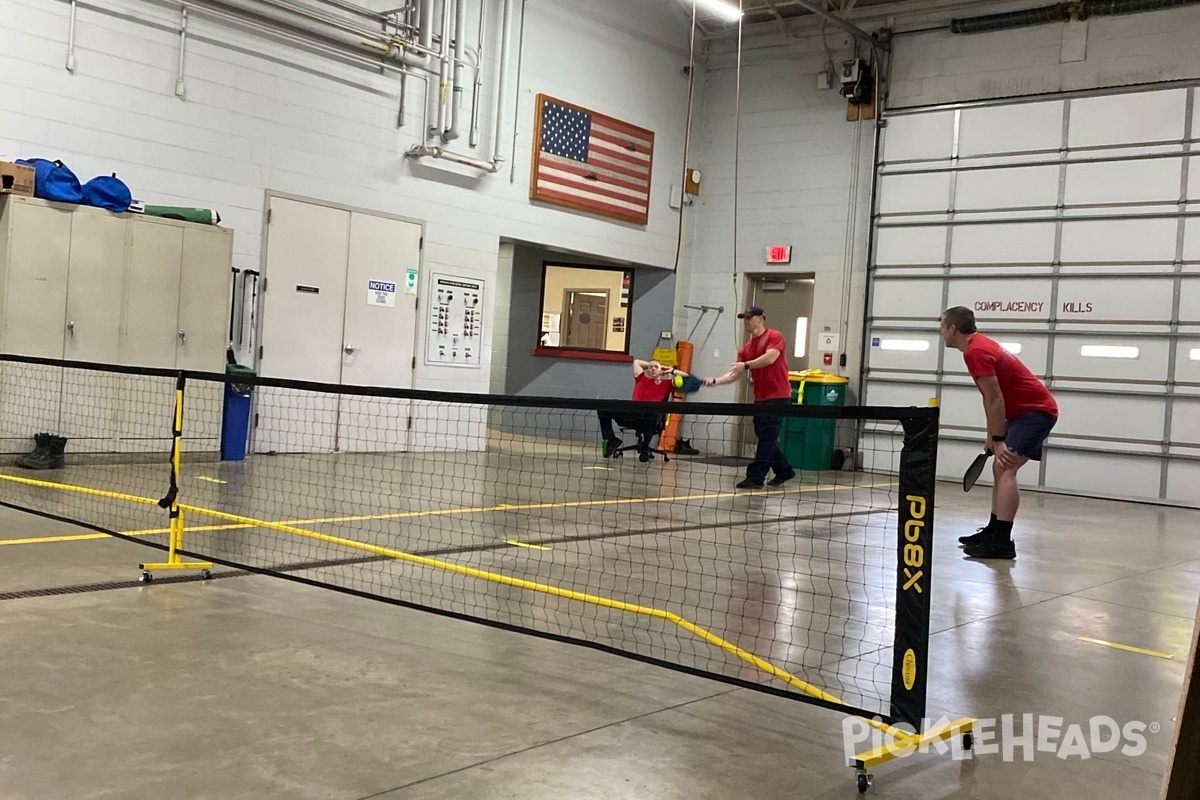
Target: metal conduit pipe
(492, 166)
(326, 26)
(353, 9)
(456, 98)
(443, 100)
(1060, 12)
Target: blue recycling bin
(235, 419)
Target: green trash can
(809, 443)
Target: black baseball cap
(752, 311)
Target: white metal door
(379, 338)
(95, 283)
(303, 312)
(1072, 234)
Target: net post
(171, 500)
(914, 560)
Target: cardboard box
(16, 179)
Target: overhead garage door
(1070, 225)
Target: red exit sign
(779, 254)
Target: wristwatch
(997, 438)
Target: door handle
(350, 349)
(71, 329)
(183, 337)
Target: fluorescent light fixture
(911, 345)
(1012, 347)
(1194, 354)
(729, 11)
(801, 336)
(1108, 351)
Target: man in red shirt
(763, 358)
(1020, 415)
(652, 383)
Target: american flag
(591, 162)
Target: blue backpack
(107, 191)
(54, 181)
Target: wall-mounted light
(910, 345)
(729, 11)
(1108, 351)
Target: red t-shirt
(1021, 389)
(770, 382)
(656, 390)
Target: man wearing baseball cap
(763, 358)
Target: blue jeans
(768, 456)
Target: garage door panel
(1191, 236)
(1128, 118)
(1105, 416)
(1011, 129)
(882, 356)
(1145, 180)
(1018, 187)
(1119, 240)
(1185, 421)
(1187, 359)
(1003, 244)
(1025, 299)
(925, 245)
(884, 393)
(963, 405)
(920, 137)
(1103, 475)
(906, 298)
(1144, 360)
(1114, 298)
(1183, 482)
(909, 193)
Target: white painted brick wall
(941, 67)
(261, 115)
(795, 179)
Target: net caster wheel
(864, 781)
(206, 574)
(146, 577)
(968, 741)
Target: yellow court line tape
(515, 543)
(211, 480)
(75, 537)
(1129, 648)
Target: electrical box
(454, 337)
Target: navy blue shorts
(1025, 434)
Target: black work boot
(41, 442)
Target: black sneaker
(609, 446)
(978, 536)
(779, 480)
(749, 484)
(992, 548)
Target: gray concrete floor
(256, 687)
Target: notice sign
(380, 293)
